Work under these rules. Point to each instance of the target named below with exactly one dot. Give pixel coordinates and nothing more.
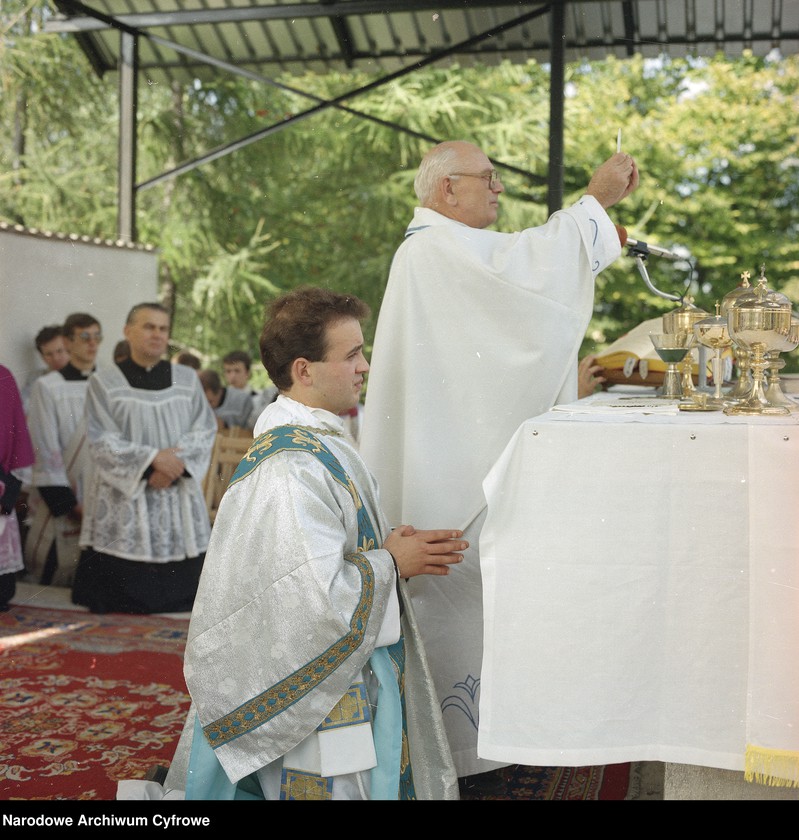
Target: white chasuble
(477, 332)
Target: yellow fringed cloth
(772, 725)
(775, 768)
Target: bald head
(453, 179)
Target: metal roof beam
(337, 102)
(341, 29)
(631, 35)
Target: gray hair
(435, 165)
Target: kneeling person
(307, 677)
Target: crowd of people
(335, 642)
(111, 505)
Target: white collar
(324, 417)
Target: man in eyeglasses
(58, 431)
(478, 331)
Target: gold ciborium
(774, 393)
(759, 321)
(672, 349)
(682, 320)
(714, 333)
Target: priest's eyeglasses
(89, 336)
(492, 177)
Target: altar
(641, 590)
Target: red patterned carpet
(520, 783)
(86, 700)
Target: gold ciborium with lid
(682, 320)
(741, 356)
(759, 321)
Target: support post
(557, 21)
(128, 102)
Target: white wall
(45, 278)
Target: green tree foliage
(57, 138)
(325, 200)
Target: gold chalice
(672, 349)
(713, 333)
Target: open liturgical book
(632, 358)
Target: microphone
(642, 249)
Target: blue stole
(389, 779)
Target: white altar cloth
(641, 589)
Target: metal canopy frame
(178, 40)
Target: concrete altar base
(687, 781)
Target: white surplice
(478, 331)
(236, 409)
(58, 430)
(126, 428)
(277, 592)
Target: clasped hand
(424, 552)
(167, 468)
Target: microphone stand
(641, 252)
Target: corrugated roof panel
(310, 35)
(262, 39)
(379, 36)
